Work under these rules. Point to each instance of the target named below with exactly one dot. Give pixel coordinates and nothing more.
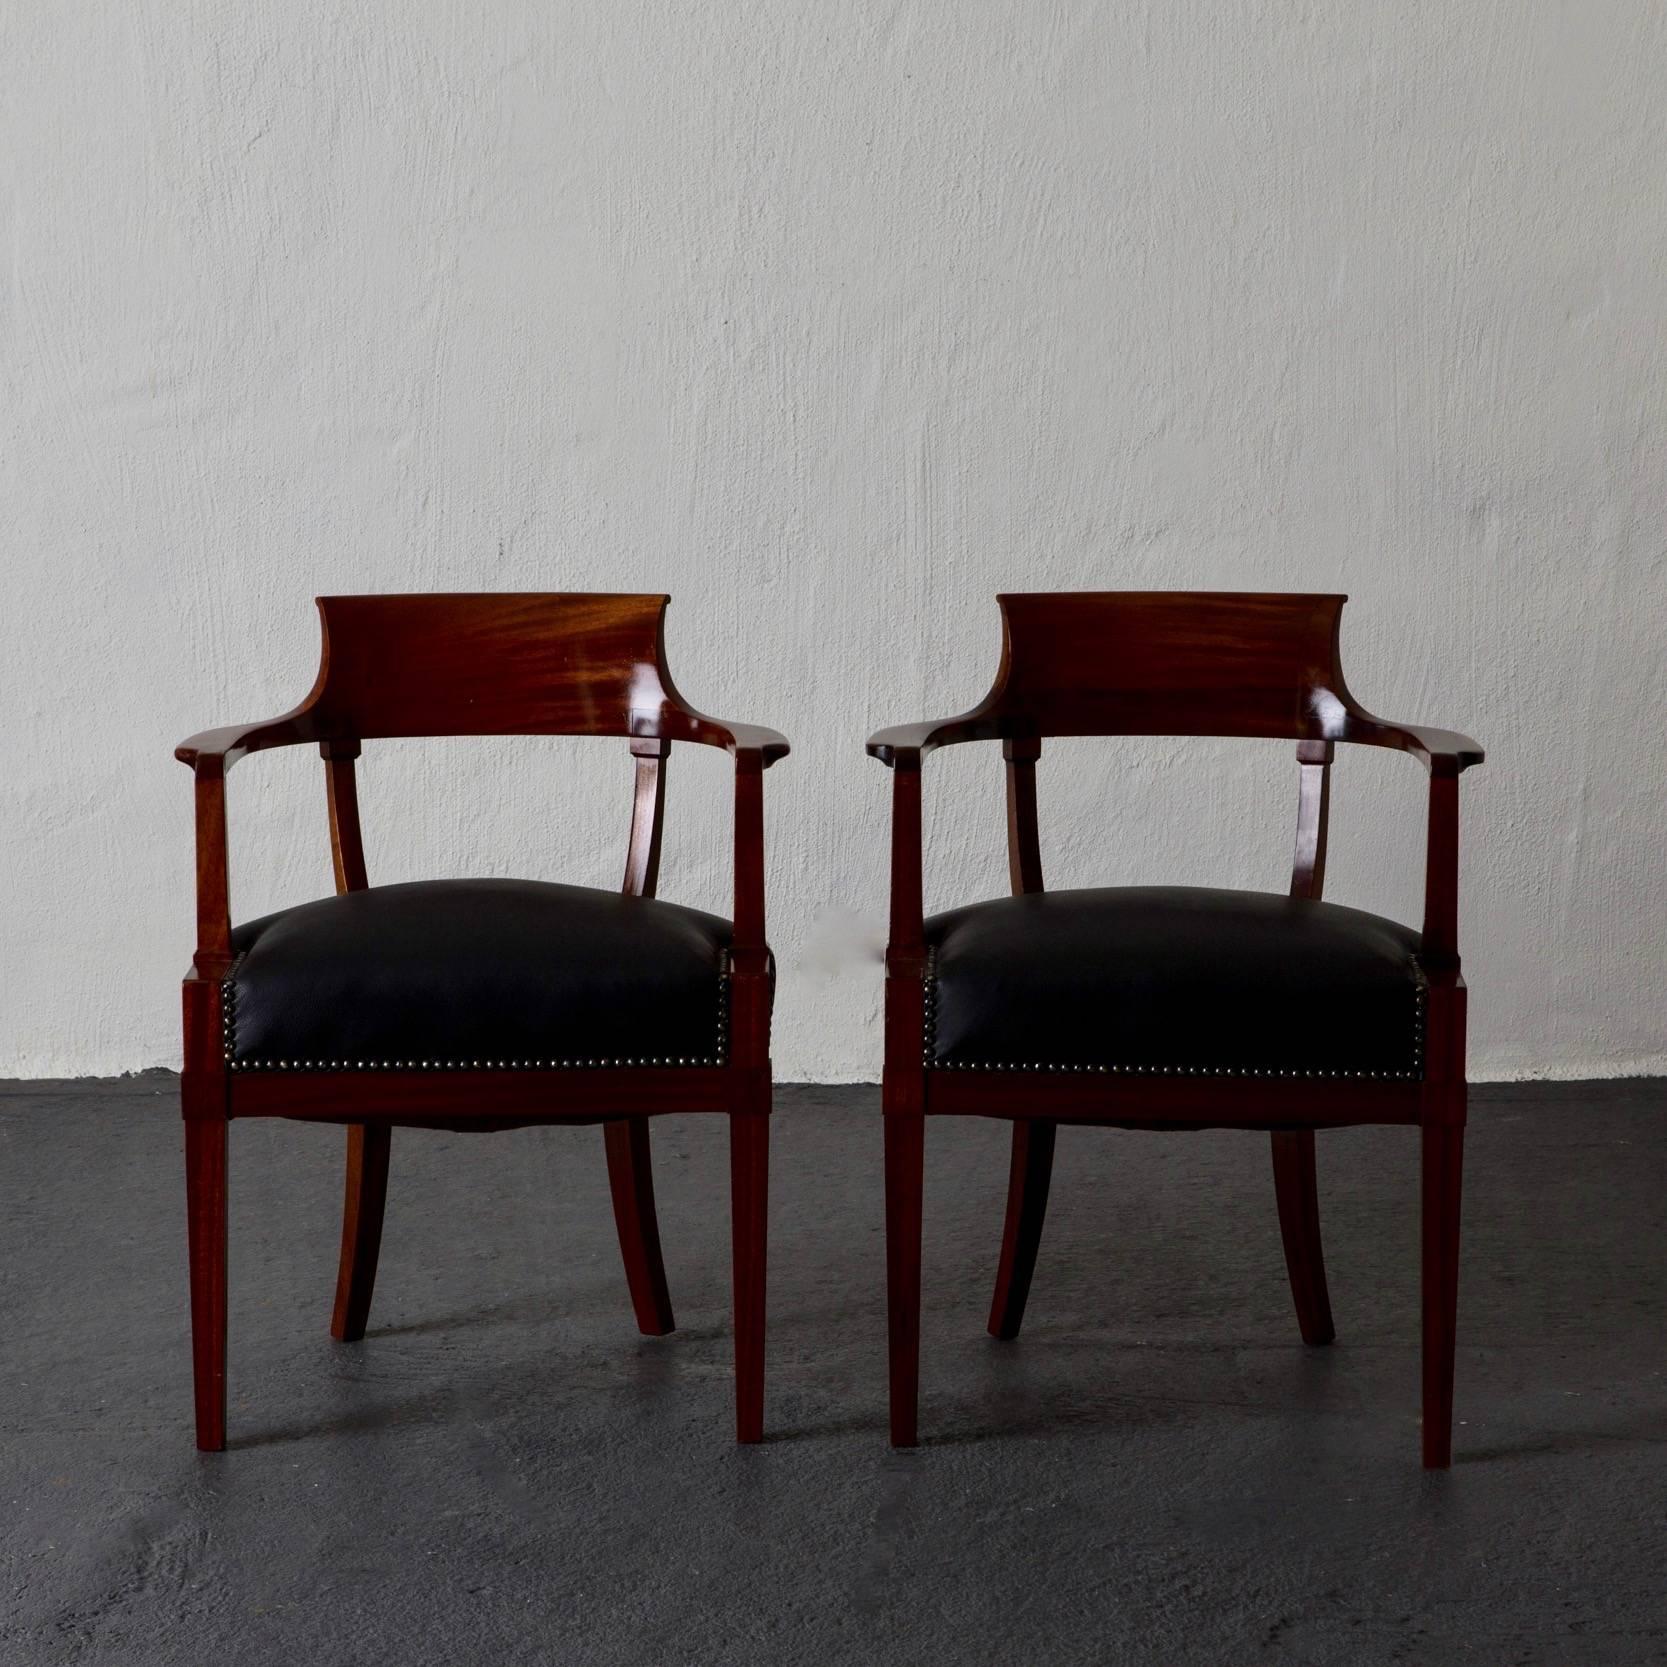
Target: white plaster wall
(832, 320)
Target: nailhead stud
(228, 1029)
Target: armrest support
(905, 990)
(214, 918)
(901, 748)
(1440, 950)
(754, 748)
(747, 948)
(1446, 755)
(906, 946)
(211, 754)
(214, 751)
(749, 954)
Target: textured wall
(832, 320)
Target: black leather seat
(1158, 980)
(450, 974)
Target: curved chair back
(1169, 663)
(531, 664)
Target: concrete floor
(504, 1472)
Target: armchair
(481, 1004)
(1177, 1008)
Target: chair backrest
(508, 664)
(1168, 663)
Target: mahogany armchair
(1179, 1008)
(481, 1004)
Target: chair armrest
(922, 738)
(767, 745)
(751, 983)
(1442, 751)
(230, 742)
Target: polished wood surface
(630, 1171)
(205, 1219)
(1174, 663)
(1031, 1168)
(648, 815)
(488, 665)
(467, 1099)
(1297, 1197)
(1441, 1174)
(365, 1202)
(1313, 816)
(541, 664)
(1028, 1179)
(905, 1142)
(631, 1181)
(749, 1170)
(1024, 839)
(1296, 1188)
(365, 1193)
(341, 797)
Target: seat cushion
(1155, 980)
(471, 974)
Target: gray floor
(1157, 1472)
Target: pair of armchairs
(494, 1004)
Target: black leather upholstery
(461, 973)
(1152, 979)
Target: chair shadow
(873, 1425)
(1648, 1430)
(363, 1421)
(653, 1369)
(528, 1310)
(520, 1311)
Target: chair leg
(1027, 1205)
(905, 1166)
(749, 1184)
(1297, 1194)
(365, 1199)
(631, 1180)
(1443, 1162)
(205, 1210)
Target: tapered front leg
(749, 1184)
(905, 1161)
(205, 1207)
(1443, 1166)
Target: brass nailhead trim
(228, 1028)
(930, 1036)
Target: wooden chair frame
(1158, 663)
(483, 665)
